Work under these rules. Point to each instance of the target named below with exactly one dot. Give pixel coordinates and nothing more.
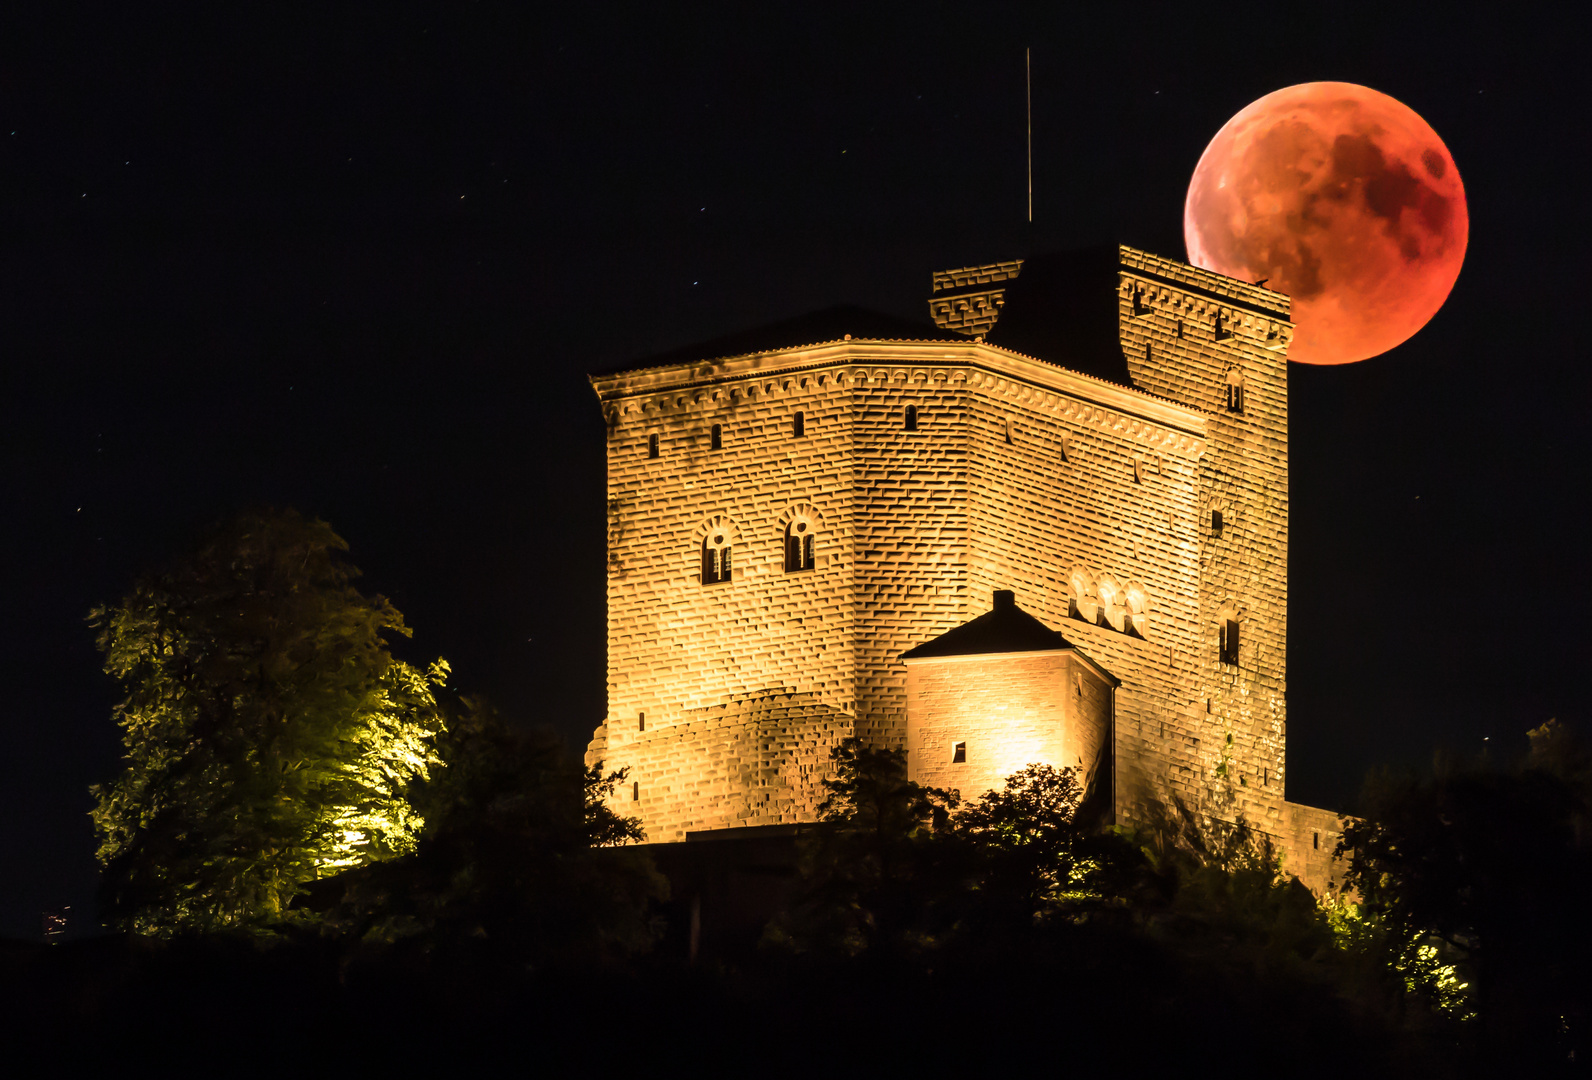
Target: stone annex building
(1050, 525)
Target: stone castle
(1050, 525)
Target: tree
(869, 872)
(269, 735)
(1030, 858)
(1486, 866)
(522, 856)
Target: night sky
(360, 261)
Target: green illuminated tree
(522, 861)
(270, 737)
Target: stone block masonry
(975, 720)
(931, 473)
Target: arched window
(1235, 390)
(799, 425)
(1008, 433)
(717, 438)
(652, 446)
(1113, 613)
(912, 418)
(716, 557)
(1085, 598)
(1138, 605)
(799, 545)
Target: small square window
(959, 753)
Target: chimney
(1005, 598)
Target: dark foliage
(521, 859)
(1490, 866)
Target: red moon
(1344, 199)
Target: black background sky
(359, 259)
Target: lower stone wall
(757, 759)
(1312, 835)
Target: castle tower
(794, 510)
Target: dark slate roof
(1004, 628)
(1062, 308)
(830, 324)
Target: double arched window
(716, 556)
(799, 535)
(718, 536)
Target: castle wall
(1309, 837)
(911, 544)
(676, 645)
(752, 760)
(1187, 333)
(1116, 507)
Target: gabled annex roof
(1005, 628)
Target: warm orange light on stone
(1092, 502)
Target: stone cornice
(917, 357)
(1205, 283)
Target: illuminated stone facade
(1144, 515)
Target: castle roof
(1062, 309)
(814, 328)
(1005, 628)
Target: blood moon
(1341, 197)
